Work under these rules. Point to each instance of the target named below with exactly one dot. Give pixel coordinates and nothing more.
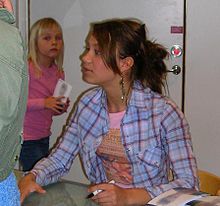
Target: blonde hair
(37, 29)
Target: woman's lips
(84, 69)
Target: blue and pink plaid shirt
(155, 136)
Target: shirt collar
(139, 95)
(138, 98)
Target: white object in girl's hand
(62, 89)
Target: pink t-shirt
(111, 151)
(38, 120)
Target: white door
(163, 18)
(202, 81)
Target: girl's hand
(6, 4)
(55, 104)
(116, 196)
(66, 105)
(27, 185)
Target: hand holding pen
(98, 190)
(109, 194)
(112, 194)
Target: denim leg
(9, 193)
(32, 151)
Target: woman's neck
(115, 101)
(115, 105)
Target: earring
(122, 85)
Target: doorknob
(176, 69)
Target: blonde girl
(45, 59)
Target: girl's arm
(53, 103)
(35, 104)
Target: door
(163, 18)
(202, 81)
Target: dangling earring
(122, 85)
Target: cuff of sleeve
(28, 172)
(154, 191)
(40, 103)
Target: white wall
(202, 106)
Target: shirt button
(156, 164)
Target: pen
(98, 191)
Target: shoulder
(31, 69)
(91, 96)
(59, 73)
(166, 106)
(12, 47)
(150, 100)
(7, 26)
(88, 103)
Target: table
(68, 193)
(62, 193)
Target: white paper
(207, 201)
(174, 197)
(62, 89)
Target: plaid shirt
(154, 133)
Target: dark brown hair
(127, 38)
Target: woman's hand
(116, 196)
(27, 185)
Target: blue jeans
(9, 193)
(32, 151)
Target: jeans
(9, 193)
(32, 151)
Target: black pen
(98, 191)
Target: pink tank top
(112, 153)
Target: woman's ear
(126, 63)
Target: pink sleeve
(35, 104)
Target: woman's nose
(86, 57)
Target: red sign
(176, 30)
